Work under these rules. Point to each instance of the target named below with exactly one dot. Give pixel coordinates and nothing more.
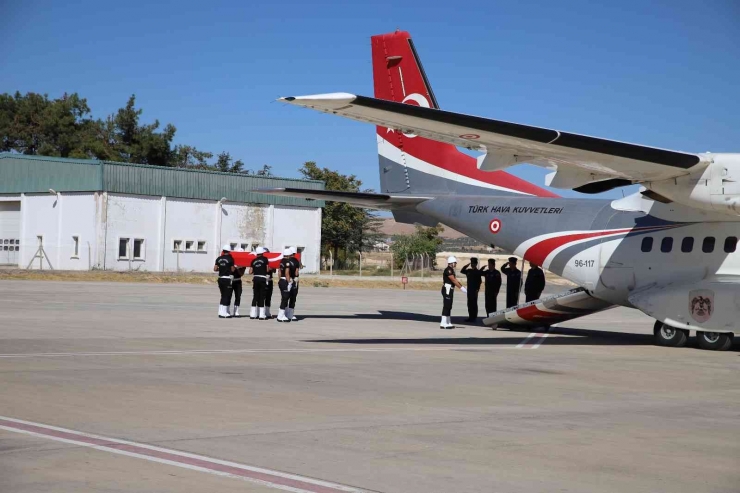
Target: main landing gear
(665, 335)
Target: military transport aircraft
(669, 250)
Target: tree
(189, 157)
(226, 164)
(34, 124)
(344, 227)
(424, 241)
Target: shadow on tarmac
(557, 336)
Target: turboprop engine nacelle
(715, 187)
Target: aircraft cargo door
(10, 232)
(617, 277)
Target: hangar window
(666, 245)
(647, 244)
(123, 248)
(201, 245)
(708, 245)
(75, 247)
(730, 244)
(252, 248)
(233, 246)
(176, 245)
(139, 249)
(189, 245)
(687, 245)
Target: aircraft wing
(586, 164)
(360, 199)
(548, 311)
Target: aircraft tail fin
(411, 164)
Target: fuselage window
(647, 244)
(666, 245)
(730, 244)
(708, 245)
(687, 245)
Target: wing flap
(542, 146)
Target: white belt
(258, 275)
(224, 277)
(237, 279)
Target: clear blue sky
(662, 73)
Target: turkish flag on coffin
(244, 259)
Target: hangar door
(10, 232)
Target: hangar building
(73, 214)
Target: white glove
(464, 289)
(290, 285)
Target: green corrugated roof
(28, 174)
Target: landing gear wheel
(715, 341)
(668, 336)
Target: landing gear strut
(665, 335)
(716, 341)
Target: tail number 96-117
(584, 263)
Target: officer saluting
(493, 285)
(513, 282)
(286, 272)
(535, 283)
(449, 281)
(474, 276)
(258, 269)
(225, 267)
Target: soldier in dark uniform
(474, 276)
(268, 293)
(513, 282)
(286, 273)
(296, 273)
(225, 267)
(493, 285)
(258, 269)
(535, 283)
(236, 285)
(449, 281)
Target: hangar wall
(88, 214)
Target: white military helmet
(287, 252)
(259, 251)
(226, 248)
(451, 260)
(238, 249)
(293, 250)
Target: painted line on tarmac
(532, 341)
(247, 351)
(266, 477)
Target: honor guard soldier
(258, 269)
(493, 285)
(286, 273)
(535, 283)
(513, 282)
(268, 293)
(296, 273)
(449, 281)
(236, 285)
(474, 276)
(225, 267)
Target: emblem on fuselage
(495, 226)
(701, 304)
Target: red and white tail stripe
(399, 76)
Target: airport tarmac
(140, 387)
